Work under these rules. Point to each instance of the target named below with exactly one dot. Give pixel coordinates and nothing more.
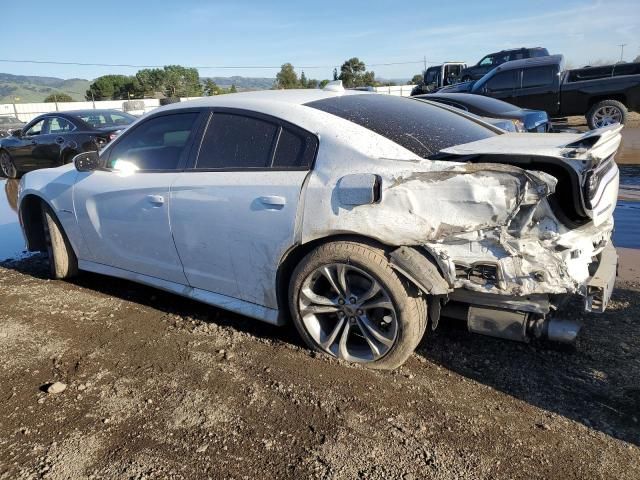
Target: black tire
(594, 115)
(7, 167)
(63, 262)
(410, 306)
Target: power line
(199, 67)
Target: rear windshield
(417, 126)
(100, 119)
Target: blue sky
(319, 33)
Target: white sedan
(360, 217)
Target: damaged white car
(360, 217)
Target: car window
(501, 81)
(431, 76)
(539, 52)
(537, 77)
(99, 119)
(35, 129)
(516, 56)
(295, 149)
(419, 127)
(59, 125)
(237, 141)
(488, 60)
(156, 144)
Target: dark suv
(489, 62)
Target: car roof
(88, 111)
(531, 62)
(518, 49)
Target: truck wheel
(7, 166)
(606, 112)
(63, 262)
(347, 301)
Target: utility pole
(425, 63)
(622, 45)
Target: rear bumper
(600, 285)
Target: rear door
(234, 212)
(123, 210)
(540, 89)
(51, 140)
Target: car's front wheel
(348, 302)
(63, 262)
(7, 166)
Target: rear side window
(502, 81)
(419, 127)
(157, 144)
(537, 77)
(236, 141)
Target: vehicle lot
(160, 386)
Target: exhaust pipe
(512, 324)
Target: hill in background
(34, 88)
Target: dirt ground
(163, 387)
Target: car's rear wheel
(7, 166)
(63, 262)
(348, 302)
(606, 112)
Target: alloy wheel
(607, 115)
(348, 313)
(6, 165)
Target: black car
(53, 139)
(491, 61)
(524, 120)
(8, 124)
(604, 95)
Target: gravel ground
(162, 387)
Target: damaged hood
(595, 145)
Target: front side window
(486, 61)
(159, 143)
(537, 77)
(35, 129)
(59, 125)
(501, 81)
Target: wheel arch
(423, 258)
(30, 214)
(619, 97)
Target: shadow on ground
(596, 382)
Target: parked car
(439, 76)
(491, 61)
(55, 138)
(502, 114)
(357, 215)
(8, 124)
(603, 95)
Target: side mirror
(17, 133)
(87, 161)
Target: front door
(123, 210)
(24, 150)
(234, 213)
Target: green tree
(335, 74)
(180, 81)
(151, 81)
(303, 80)
(109, 87)
(287, 77)
(417, 79)
(323, 83)
(58, 97)
(353, 74)
(312, 83)
(211, 88)
(233, 89)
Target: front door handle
(60, 140)
(156, 200)
(273, 200)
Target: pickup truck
(603, 95)
(439, 76)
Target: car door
(22, 151)
(123, 209)
(483, 66)
(48, 144)
(502, 85)
(234, 212)
(539, 89)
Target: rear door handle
(273, 200)
(156, 200)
